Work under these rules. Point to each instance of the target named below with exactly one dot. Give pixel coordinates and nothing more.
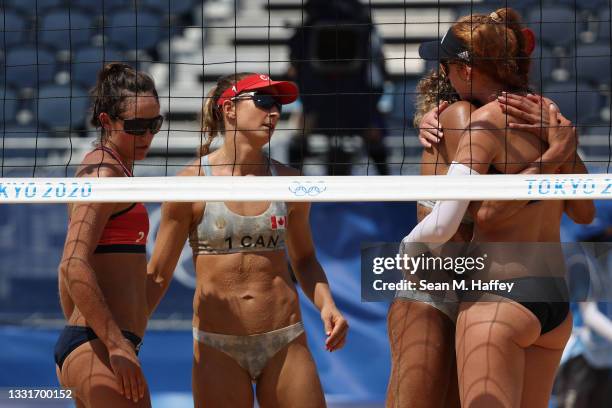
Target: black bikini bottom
(73, 336)
(551, 311)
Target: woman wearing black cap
(247, 325)
(507, 351)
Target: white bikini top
(222, 231)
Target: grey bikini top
(222, 231)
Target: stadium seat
(31, 7)
(22, 148)
(578, 102)
(87, 61)
(8, 105)
(404, 103)
(28, 67)
(593, 63)
(94, 7)
(61, 108)
(122, 30)
(583, 4)
(555, 25)
(177, 7)
(543, 64)
(12, 28)
(64, 29)
(603, 24)
(488, 6)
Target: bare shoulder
(284, 170)
(488, 117)
(193, 168)
(457, 116)
(459, 107)
(99, 164)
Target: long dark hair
(116, 82)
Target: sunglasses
(262, 100)
(139, 126)
(445, 67)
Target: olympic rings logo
(307, 188)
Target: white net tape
(306, 188)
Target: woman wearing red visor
(247, 325)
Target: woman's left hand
(336, 328)
(531, 109)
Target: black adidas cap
(448, 48)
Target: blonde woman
(247, 325)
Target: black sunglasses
(445, 67)
(139, 126)
(262, 100)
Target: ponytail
(211, 121)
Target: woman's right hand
(429, 128)
(127, 370)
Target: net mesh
(356, 63)
(357, 66)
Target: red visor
(287, 91)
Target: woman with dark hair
(507, 348)
(102, 275)
(247, 326)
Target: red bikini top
(127, 230)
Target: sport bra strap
(115, 156)
(205, 163)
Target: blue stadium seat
(22, 132)
(14, 32)
(64, 29)
(176, 6)
(556, 25)
(28, 67)
(488, 6)
(8, 105)
(32, 7)
(87, 61)
(582, 107)
(122, 30)
(404, 103)
(603, 24)
(61, 108)
(593, 63)
(543, 62)
(583, 4)
(95, 6)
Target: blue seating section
(65, 29)
(136, 30)
(87, 61)
(60, 107)
(24, 132)
(52, 50)
(29, 66)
